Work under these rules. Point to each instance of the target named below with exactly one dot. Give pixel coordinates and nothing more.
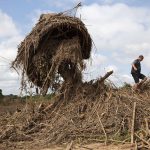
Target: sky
(120, 30)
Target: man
(136, 72)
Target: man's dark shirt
(137, 65)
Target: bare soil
(94, 146)
(37, 146)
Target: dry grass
(55, 49)
(93, 111)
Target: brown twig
(143, 140)
(133, 123)
(102, 128)
(105, 76)
(69, 146)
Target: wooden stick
(136, 146)
(147, 128)
(86, 147)
(143, 140)
(133, 123)
(105, 76)
(69, 146)
(102, 128)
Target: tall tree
(1, 94)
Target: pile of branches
(93, 111)
(54, 50)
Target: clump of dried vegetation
(55, 49)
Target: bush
(1, 94)
(126, 85)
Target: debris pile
(92, 111)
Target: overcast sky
(120, 30)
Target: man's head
(141, 57)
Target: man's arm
(134, 67)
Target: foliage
(126, 85)
(1, 94)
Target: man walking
(136, 72)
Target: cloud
(7, 26)
(147, 61)
(120, 79)
(118, 27)
(94, 67)
(98, 59)
(111, 67)
(120, 32)
(35, 15)
(10, 37)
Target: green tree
(1, 94)
(126, 85)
